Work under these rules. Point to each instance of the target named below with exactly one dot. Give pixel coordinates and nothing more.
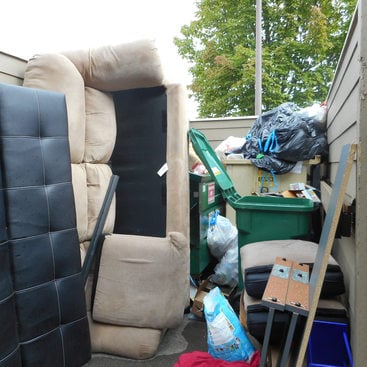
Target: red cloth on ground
(203, 359)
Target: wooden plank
(277, 286)
(326, 242)
(298, 289)
(274, 298)
(326, 191)
(350, 194)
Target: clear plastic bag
(226, 271)
(227, 338)
(221, 236)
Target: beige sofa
(143, 281)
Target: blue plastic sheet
(227, 338)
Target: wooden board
(298, 290)
(326, 241)
(277, 286)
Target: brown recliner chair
(123, 119)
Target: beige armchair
(124, 119)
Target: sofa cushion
(130, 342)
(118, 67)
(132, 269)
(98, 178)
(178, 216)
(79, 180)
(56, 73)
(100, 133)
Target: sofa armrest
(143, 281)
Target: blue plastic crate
(329, 345)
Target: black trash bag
(286, 134)
(298, 144)
(265, 124)
(272, 164)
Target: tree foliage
(301, 44)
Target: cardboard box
(248, 179)
(204, 288)
(198, 304)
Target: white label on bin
(163, 170)
(216, 171)
(211, 192)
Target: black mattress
(40, 261)
(9, 341)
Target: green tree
(302, 41)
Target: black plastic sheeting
(285, 135)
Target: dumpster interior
(270, 226)
(83, 118)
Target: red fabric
(203, 359)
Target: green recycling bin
(258, 218)
(205, 199)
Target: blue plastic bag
(227, 338)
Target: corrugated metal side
(347, 123)
(360, 316)
(11, 69)
(218, 129)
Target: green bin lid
(213, 164)
(221, 177)
(274, 204)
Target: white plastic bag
(227, 338)
(229, 145)
(221, 236)
(226, 271)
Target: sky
(40, 26)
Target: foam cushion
(257, 260)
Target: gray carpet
(190, 336)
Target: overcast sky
(29, 27)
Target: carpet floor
(188, 337)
